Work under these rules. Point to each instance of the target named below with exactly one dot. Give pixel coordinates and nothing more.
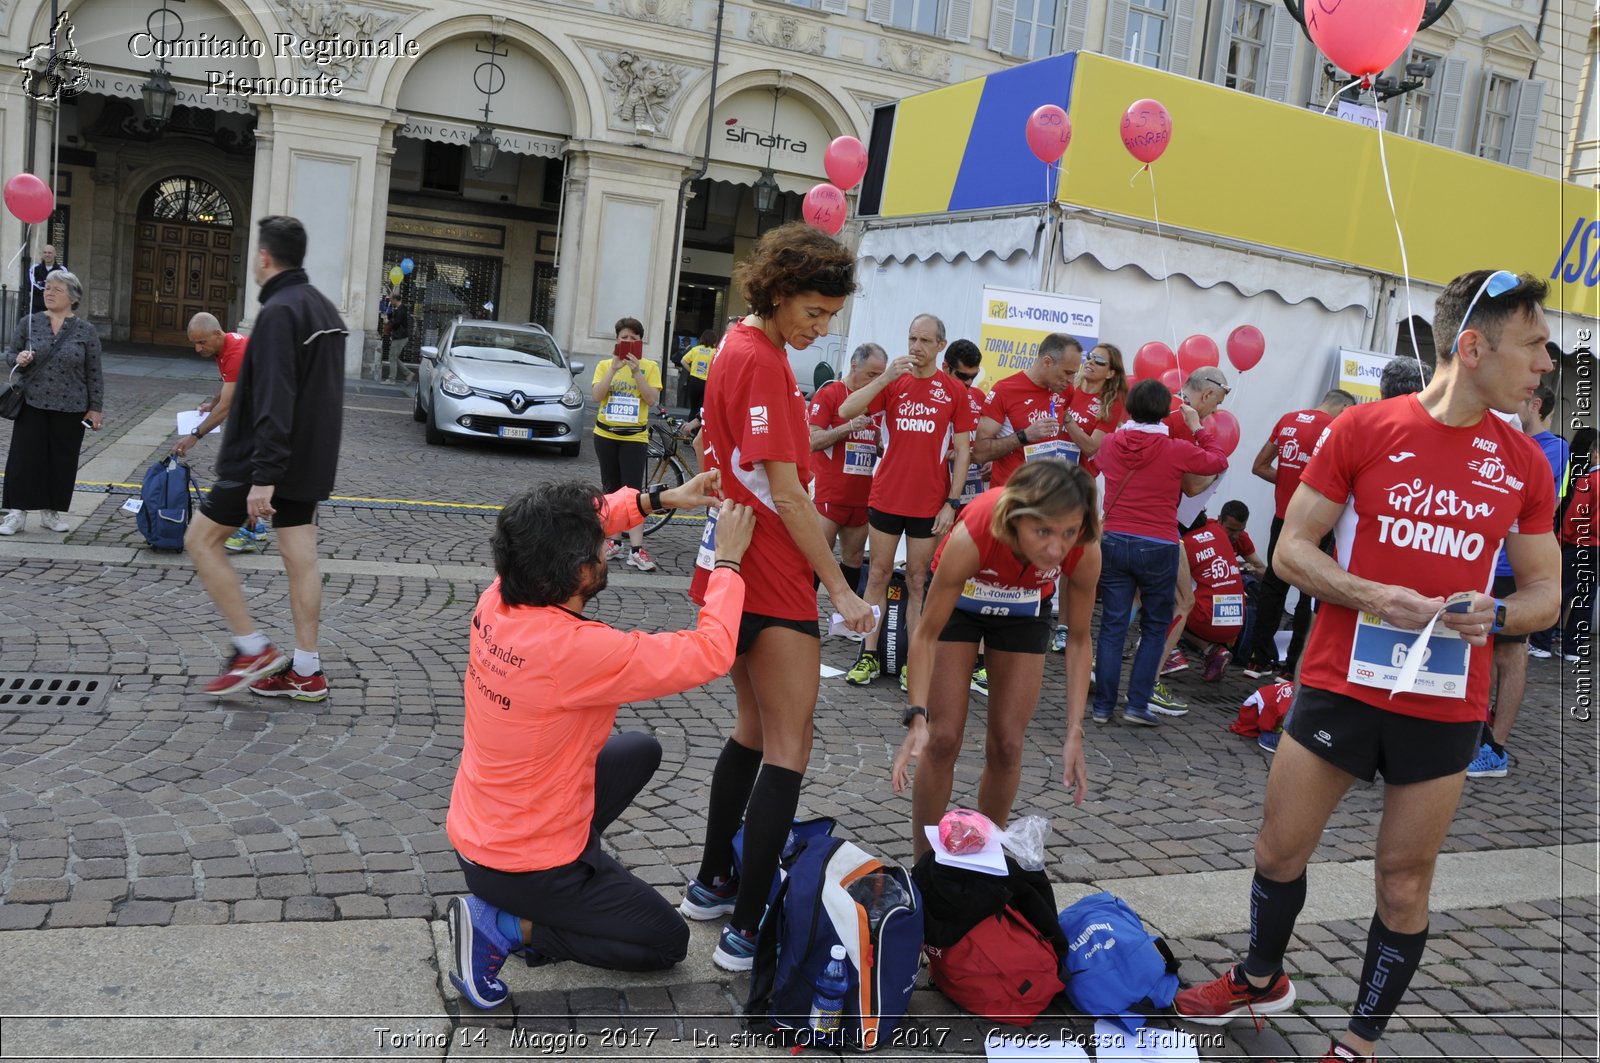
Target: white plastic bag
(1025, 840)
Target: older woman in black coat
(57, 357)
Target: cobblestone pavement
(164, 806)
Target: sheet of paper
(133, 505)
(829, 672)
(1151, 1044)
(991, 859)
(189, 420)
(1030, 1045)
(836, 625)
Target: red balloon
(1246, 345)
(1195, 352)
(825, 208)
(1173, 379)
(1049, 131)
(1224, 425)
(846, 162)
(1153, 359)
(1147, 129)
(29, 199)
(1363, 36)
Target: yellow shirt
(698, 361)
(623, 407)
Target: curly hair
(543, 540)
(1046, 488)
(791, 259)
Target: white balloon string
(1166, 275)
(1335, 97)
(1405, 264)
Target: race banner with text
(1358, 372)
(1016, 321)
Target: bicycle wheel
(664, 469)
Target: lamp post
(160, 98)
(483, 150)
(766, 189)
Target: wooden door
(179, 270)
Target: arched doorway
(183, 259)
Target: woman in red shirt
(755, 430)
(992, 582)
(1096, 404)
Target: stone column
(569, 251)
(374, 267)
(260, 207)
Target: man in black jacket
(279, 453)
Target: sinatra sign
(734, 132)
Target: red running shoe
(1175, 662)
(1217, 1002)
(1217, 660)
(1338, 1053)
(246, 668)
(291, 684)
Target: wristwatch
(953, 503)
(1022, 437)
(196, 436)
(1499, 624)
(911, 713)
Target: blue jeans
(1128, 564)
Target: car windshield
(511, 347)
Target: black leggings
(43, 461)
(621, 464)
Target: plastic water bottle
(878, 894)
(827, 1006)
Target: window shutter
(1075, 20)
(1483, 115)
(1525, 124)
(880, 11)
(1182, 37)
(835, 7)
(1447, 108)
(1002, 18)
(1224, 37)
(958, 20)
(1283, 42)
(1117, 29)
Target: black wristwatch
(196, 436)
(911, 713)
(953, 503)
(1499, 624)
(1022, 437)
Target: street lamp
(483, 150)
(766, 192)
(159, 96)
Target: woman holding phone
(626, 386)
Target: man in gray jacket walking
(278, 458)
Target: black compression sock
(773, 800)
(731, 781)
(1391, 961)
(1274, 906)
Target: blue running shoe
(1488, 764)
(736, 949)
(1269, 740)
(703, 903)
(481, 951)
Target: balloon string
(1335, 98)
(1166, 274)
(1405, 265)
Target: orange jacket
(542, 691)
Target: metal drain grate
(41, 691)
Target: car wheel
(570, 450)
(418, 414)
(431, 432)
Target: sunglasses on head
(1495, 285)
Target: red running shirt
(1084, 409)
(231, 357)
(1015, 403)
(1005, 584)
(1295, 437)
(919, 414)
(1431, 505)
(754, 413)
(1218, 584)
(844, 470)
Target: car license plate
(515, 433)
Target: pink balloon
(1195, 352)
(846, 162)
(1153, 359)
(1363, 36)
(1049, 131)
(1173, 379)
(1246, 345)
(825, 208)
(1224, 425)
(29, 199)
(1147, 129)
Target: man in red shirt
(846, 452)
(1280, 462)
(1396, 672)
(228, 348)
(914, 493)
(1023, 415)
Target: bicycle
(663, 466)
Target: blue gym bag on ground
(1115, 967)
(835, 894)
(167, 504)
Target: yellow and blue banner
(1015, 322)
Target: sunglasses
(1495, 285)
(1096, 360)
(967, 378)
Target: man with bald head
(205, 332)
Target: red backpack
(1003, 969)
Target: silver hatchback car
(494, 380)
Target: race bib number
(1380, 652)
(1227, 610)
(706, 558)
(974, 485)
(859, 458)
(1052, 448)
(986, 599)
(621, 408)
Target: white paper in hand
(836, 626)
(189, 420)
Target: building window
(543, 310)
(1247, 46)
(1418, 109)
(1033, 28)
(921, 16)
(185, 199)
(1499, 99)
(1147, 31)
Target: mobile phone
(87, 424)
(628, 349)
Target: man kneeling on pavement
(541, 773)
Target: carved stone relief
(665, 12)
(643, 90)
(918, 60)
(336, 20)
(787, 32)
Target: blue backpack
(800, 832)
(1115, 967)
(835, 894)
(164, 517)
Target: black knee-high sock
(773, 800)
(731, 780)
(852, 576)
(1274, 906)
(1391, 961)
